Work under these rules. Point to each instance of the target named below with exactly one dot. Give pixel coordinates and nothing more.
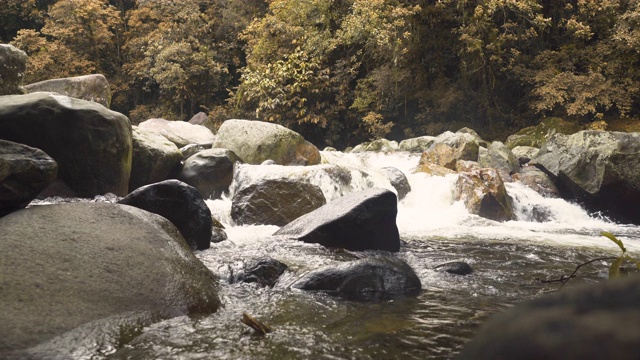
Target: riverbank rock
(24, 172)
(496, 155)
(153, 158)
(364, 220)
(379, 145)
(179, 203)
(262, 271)
(94, 87)
(180, 133)
(275, 202)
(596, 321)
(13, 64)
(209, 171)
(398, 180)
(417, 144)
(91, 144)
(369, 278)
(525, 152)
(257, 141)
(536, 136)
(203, 119)
(484, 194)
(537, 180)
(79, 279)
(450, 147)
(598, 168)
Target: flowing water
(509, 260)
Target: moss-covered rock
(536, 136)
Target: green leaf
(615, 240)
(614, 270)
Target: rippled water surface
(509, 260)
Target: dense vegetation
(341, 72)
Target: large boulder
(203, 119)
(398, 180)
(210, 171)
(450, 147)
(13, 64)
(379, 145)
(91, 144)
(78, 279)
(179, 203)
(536, 136)
(369, 278)
(417, 144)
(484, 194)
(364, 220)
(598, 168)
(24, 172)
(537, 180)
(496, 155)
(180, 133)
(153, 158)
(94, 87)
(589, 322)
(257, 141)
(275, 202)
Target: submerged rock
(257, 141)
(364, 220)
(94, 87)
(598, 168)
(153, 158)
(180, 133)
(179, 203)
(24, 172)
(484, 194)
(398, 180)
(275, 202)
(13, 65)
(370, 278)
(210, 171)
(83, 276)
(91, 144)
(455, 268)
(596, 321)
(263, 271)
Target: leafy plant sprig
(614, 269)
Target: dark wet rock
(210, 171)
(455, 268)
(84, 275)
(600, 169)
(203, 119)
(24, 173)
(218, 235)
(484, 194)
(398, 180)
(370, 278)
(499, 157)
(13, 64)
(180, 133)
(179, 203)
(153, 158)
(596, 321)
(91, 144)
(257, 141)
(536, 136)
(94, 87)
(364, 220)
(263, 271)
(275, 202)
(537, 180)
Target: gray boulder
(180, 133)
(94, 87)
(209, 171)
(537, 180)
(379, 145)
(179, 203)
(91, 144)
(527, 152)
(13, 64)
(257, 141)
(536, 136)
(24, 172)
(203, 119)
(596, 321)
(398, 180)
(499, 157)
(484, 194)
(450, 147)
(153, 158)
(364, 220)
(78, 279)
(263, 271)
(417, 144)
(598, 168)
(275, 202)
(364, 279)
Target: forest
(342, 72)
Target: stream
(509, 260)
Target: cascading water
(550, 237)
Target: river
(509, 260)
